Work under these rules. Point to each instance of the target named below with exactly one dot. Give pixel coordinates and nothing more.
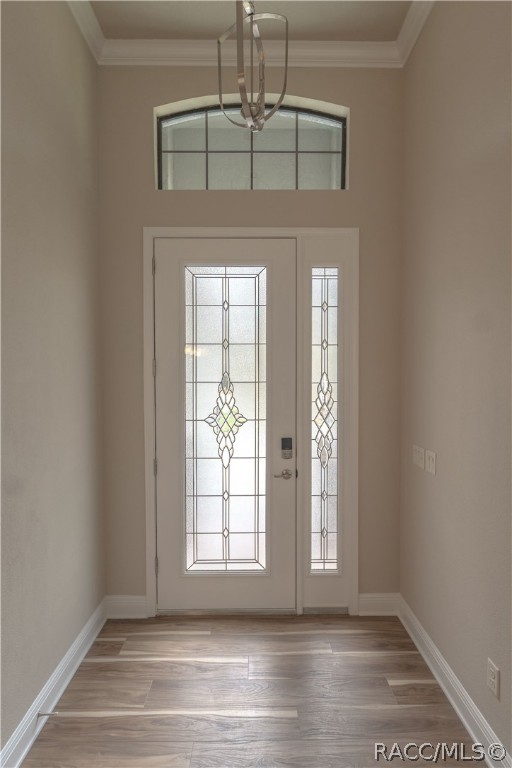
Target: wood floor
(300, 692)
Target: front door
(226, 525)
(249, 493)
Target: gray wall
(52, 526)
(455, 527)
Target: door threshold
(225, 612)
(337, 610)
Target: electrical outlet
(430, 462)
(493, 678)
(418, 456)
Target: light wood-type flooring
(238, 692)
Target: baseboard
(473, 720)
(378, 604)
(126, 607)
(25, 734)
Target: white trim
(88, 26)
(301, 439)
(478, 727)
(203, 53)
(416, 17)
(378, 603)
(351, 438)
(152, 233)
(149, 420)
(127, 607)
(212, 100)
(25, 734)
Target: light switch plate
(418, 456)
(430, 462)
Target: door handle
(286, 474)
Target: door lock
(286, 474)
(286, 448)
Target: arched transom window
(297, 149)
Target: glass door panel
(225, 393)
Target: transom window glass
(295, 150)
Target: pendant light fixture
(252, 100)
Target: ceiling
(182, 33)
(319, 20)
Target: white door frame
(346, 239)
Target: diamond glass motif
(225, 472)
(226, 420)
(324, 526)
(324, 420)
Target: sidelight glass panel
(324, 421)
(225, 394)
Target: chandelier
(253, 104)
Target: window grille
(297, 149)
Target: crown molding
(203, 53)
(411, 28)
(88, 24)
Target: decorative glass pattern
(297, 149)
(225, 418)
(324, 461)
